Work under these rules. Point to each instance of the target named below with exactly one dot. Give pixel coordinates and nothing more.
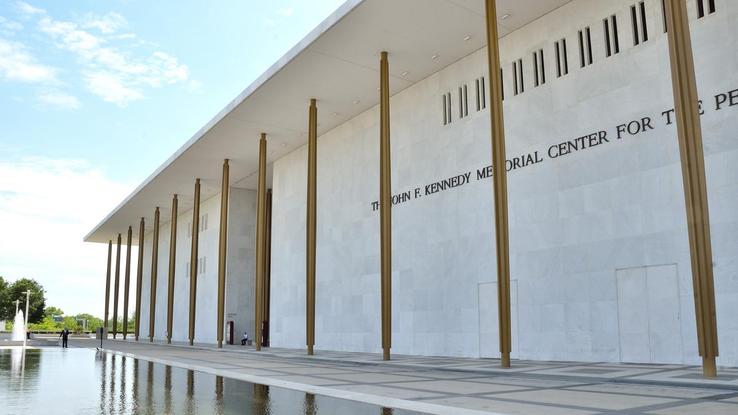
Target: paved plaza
(457, 385)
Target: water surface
(83, 381)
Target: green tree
(16, 291)
(52, 311)
(3, 295)
(92, 322)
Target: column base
(505, 360)
(709, 368)
(386, 354)
(310, 350)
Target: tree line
(40, 317)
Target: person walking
(64, 336)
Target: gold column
(260, 241)
(222, 247)
(499, 180)
(193, 259)
(312, 159)
(107, 285)
(267, 260)
(139, 276)
(127, 282)
(154, 269)
(385, 205)
(689, 131)
(172, 269)
(116, 289)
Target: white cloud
(9, 27)
(114, 75)
(59, 100)
(46, 205)
(111, 88)
(287, 12)
(106, 24)
(27, 9)
(17, 64)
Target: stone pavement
(457, 385)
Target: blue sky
(94, 95)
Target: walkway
(436, 385)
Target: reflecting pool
(83, 381)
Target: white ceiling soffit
(337, 63)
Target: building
(600, 255)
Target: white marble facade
(599, 251)
(240, 271)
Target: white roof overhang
(338, 64)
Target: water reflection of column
(111, 384)
(150, 387)
(309, 407)
(123, 398)
(168, 389)
(219, 404)
(190, 391)
(261, 399)
(134, 385)
(103, 379)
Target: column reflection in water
(134, 386)
(219, 404)
(261, 404)
(191, 408)
(309, 407)
(168, 389)
(111, 383)
(101, 357)
(150, 386)
(124, 394)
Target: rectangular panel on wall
(649, 314)
(489, 329)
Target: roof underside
(338, 64)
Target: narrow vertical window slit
(634, 22)
(543, 66)
(644, 25)
(581, 49)
(606, 27)
(615, 36)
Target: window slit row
(701, 12)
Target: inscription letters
(622, 131)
